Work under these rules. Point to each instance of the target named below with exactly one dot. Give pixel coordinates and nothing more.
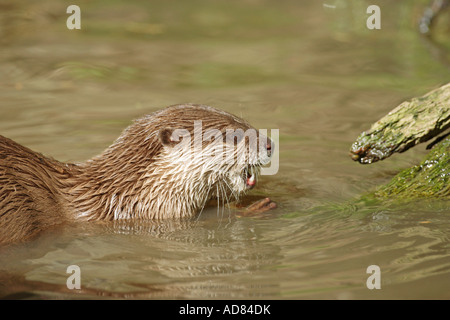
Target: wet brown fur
(30, 196)
(37, 192)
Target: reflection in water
(313, 72)
(151, 259)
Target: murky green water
(312, 71)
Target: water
(315, 73)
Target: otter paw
(259, 207)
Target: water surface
(314, 72)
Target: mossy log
(411, 123)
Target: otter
(147, 173)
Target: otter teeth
(250, 177)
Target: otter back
(29, 202)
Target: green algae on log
(429, 179)
(411, 123)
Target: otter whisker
(219, 186)
(218, 196)
(204, 204)
(236, 196)
(224, 197)
(228, 202)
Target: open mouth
(249, 176)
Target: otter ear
(166, 138)
(170, 137)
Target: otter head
(211, 152)
(175, 160)
(216, 149)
